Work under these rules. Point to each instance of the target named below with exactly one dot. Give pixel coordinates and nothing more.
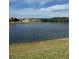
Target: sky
(38, 8)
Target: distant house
(35, 20)
(30, 20)
(26, 20)
(20, 20)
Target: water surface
(37, 31)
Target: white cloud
(36, 13)
(43, 12)
(55, 8)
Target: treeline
(12, 19)
(55, 19)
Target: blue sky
(38, 8)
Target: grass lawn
(49, 49)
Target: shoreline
(40, 41)
(34, 22)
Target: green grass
(33, 22)
(23, 22)
(49, 49)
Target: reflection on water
(36, 32)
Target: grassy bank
(33, 22)
(23, 22)
(49, 49)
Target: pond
(37, 32)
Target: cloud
(42, 2)
(38, 8)
(35, 3)
(13, 0)
(41, 13)
(28, 3)
(31, 1)
(38, 1)
(56, 8)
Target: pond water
(37, 31)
